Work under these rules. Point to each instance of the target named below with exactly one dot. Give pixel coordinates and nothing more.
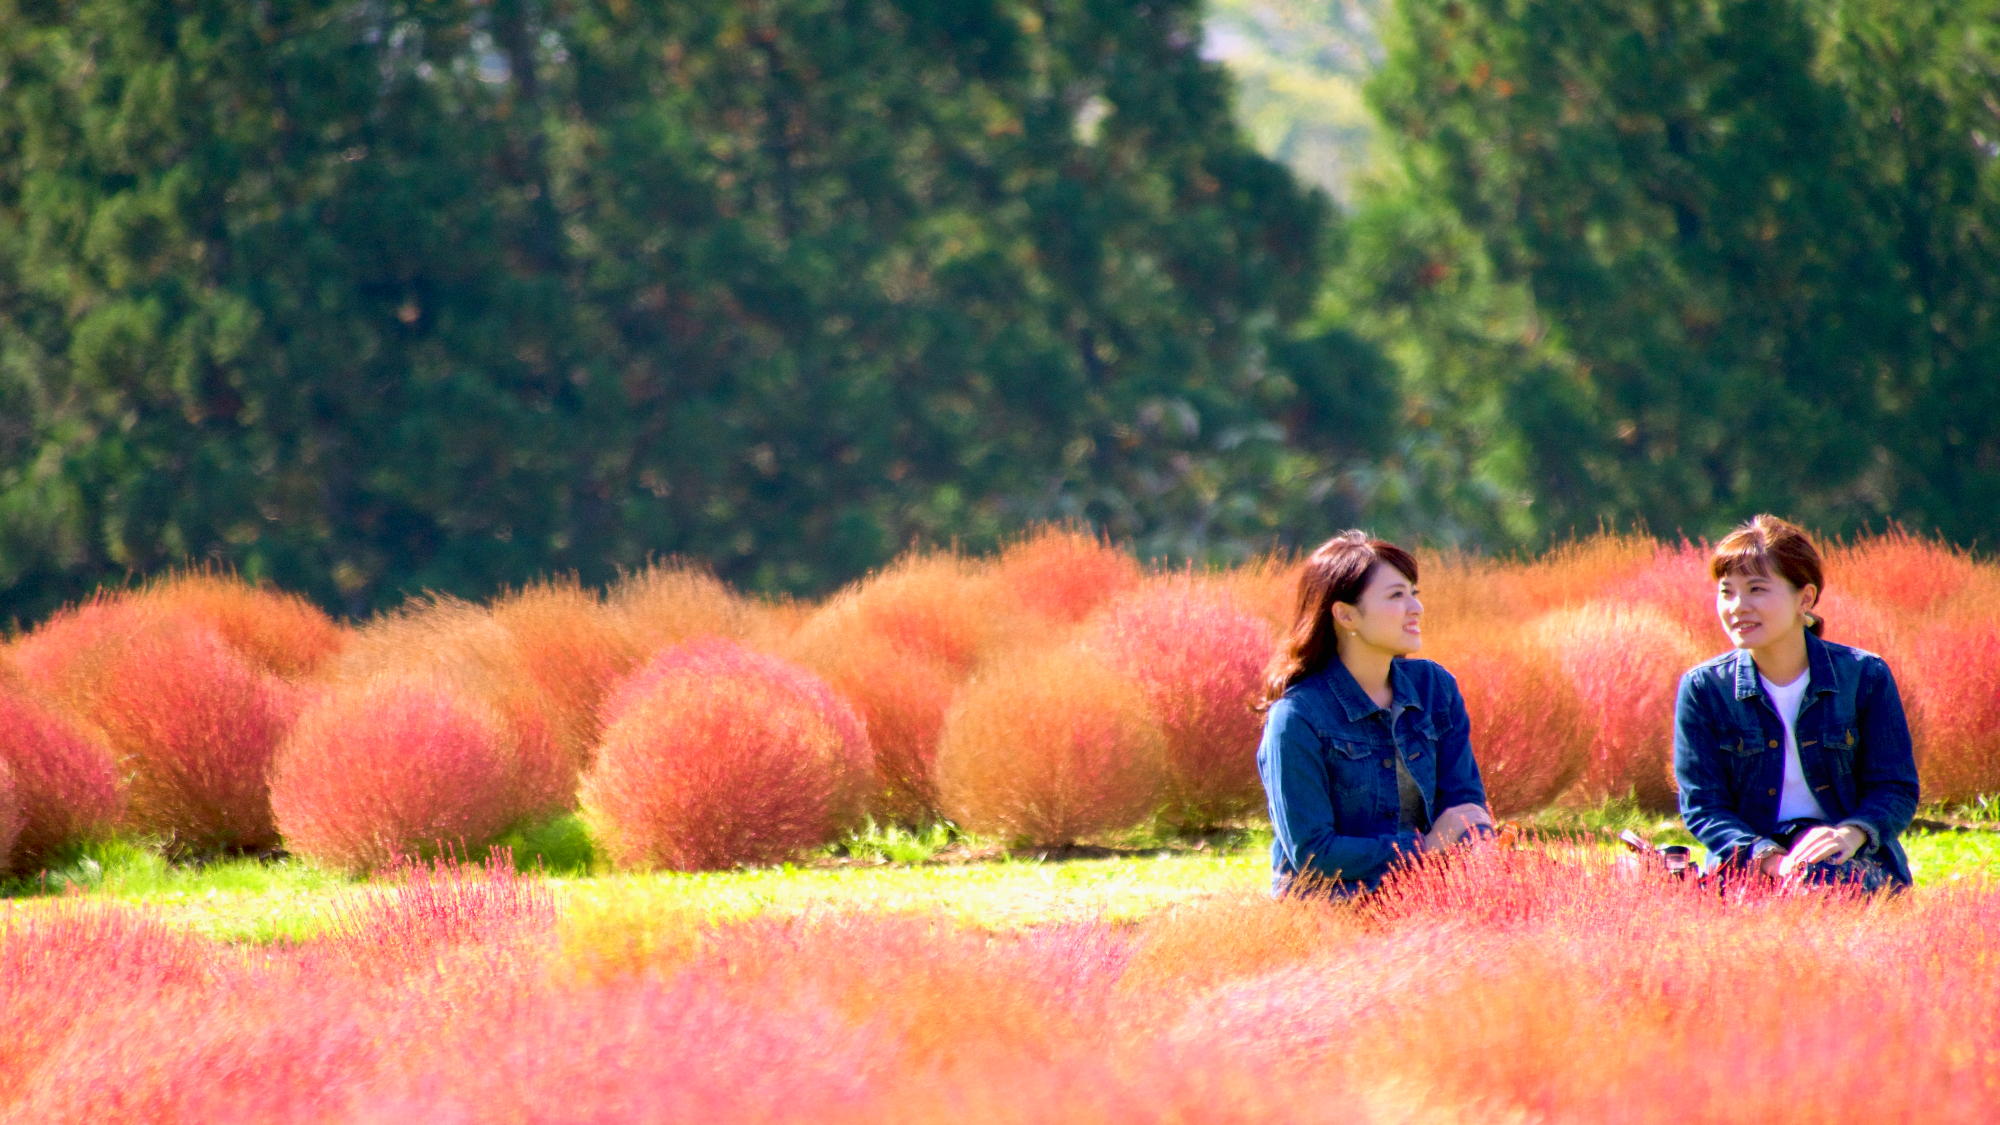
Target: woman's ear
(1345, 616)
(1808, 598)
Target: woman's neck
(1784, 660)
(1370, 668)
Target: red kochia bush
(194, 724)
(1064, 574)
(1199, 659)
(1530, 730)
(1050, 748)
(466, 650)
(48, 657)
(63, 779)
(715, 755)
(1626, 662)
(11, 818)
(1955, 700)
(1904, 572)
(1676, 584)
(901, 696)
(398, 767)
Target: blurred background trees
(367, 298)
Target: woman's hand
(1453, 824)
(1824, 844)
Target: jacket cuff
(1874, 835)
(1762, 848)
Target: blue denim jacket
(1328, 764)
(1854, 749)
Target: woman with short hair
(1792, 752)
(1365, 756)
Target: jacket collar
(1819, 669)
(1356, 703)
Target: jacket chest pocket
(1355, 769)
(1837, 749)
(1747, 743)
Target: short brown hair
(1337, 572)
(1766, 546)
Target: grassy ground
(255, 901)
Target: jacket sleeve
(1704, 789)
(1885, 767)
(1299, 787)
(1458, 773)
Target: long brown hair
(1337, 572)
(1768, 545)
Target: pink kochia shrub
(12, 819)
(1491, 985)
(1626, 662)
(468, 651)
(1064, 574)
(1050, 748)
(1955, 700)
(63, 779)
(1674, 584)
(1529, 728)
(398, 767)
(715, 755)
(1200, 660)
(193, 724)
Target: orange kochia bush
(716, 755)
(1050, 747)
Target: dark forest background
(367, 297)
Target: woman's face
(1757, 609)
(1387, 616)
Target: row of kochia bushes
(1055, 691)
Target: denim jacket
(1854, 750)
(1328, 764)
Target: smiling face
(1388, 616)
(1758, 610)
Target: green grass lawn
(253, 901)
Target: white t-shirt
(1795, 800)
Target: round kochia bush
(194, 725)
(1626, 663)
(1050, 748)
(1530, 729)
(63, 780)
(399, 767)
(715, 755)
(1199, 659)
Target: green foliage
(1681, 260)
(895, 844)
(561, 846)
(1300, 66)
(367, 298)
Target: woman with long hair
(1365, 756)
(1792, 752)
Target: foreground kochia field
(1497, 986)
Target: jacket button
(1774, 792)
(1773, 744)
(1388, 764)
